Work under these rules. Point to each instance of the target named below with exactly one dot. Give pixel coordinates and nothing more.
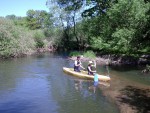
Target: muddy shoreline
(130, 97)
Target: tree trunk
(74, 32)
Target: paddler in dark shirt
(78, 64)
(91, 67)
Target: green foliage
(98, 7)
(74, 53)
(39, 43)
(144, 50)
(55, 37)
(49, 32)
(121, 40)
(118, 26)
(128, 19)
(20, 21)
(38, 19)
(14, 41)
(89, 54)
(122, 28)
(39, 37)
(12, 17)
(67, 16)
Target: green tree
(37, 19)
(120, 28)
(115, 26)
(69, 18)
(14, 40)
(12, 17)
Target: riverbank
(31, 52)
(130, 97)
(99, 60)
(118, 60)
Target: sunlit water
(37, 84)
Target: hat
(90, 62)
(78, 56)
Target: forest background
(120, 27)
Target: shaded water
(132, 73)
(129, 87)
(37, 84)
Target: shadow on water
(138, 99)
(125, 68)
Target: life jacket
(89, 72)
(77, 68)
(78, 62)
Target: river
(37, 84)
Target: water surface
(37, 84)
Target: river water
(37, 84)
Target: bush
(39, 37)
(14, 40)
(89, 54)
(74, 53)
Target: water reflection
(92, 85)
(37, 84)
(78, 84)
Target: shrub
(39, 37)
(14, 40)
(74, 53)
(89, 54)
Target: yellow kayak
(84, 75)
